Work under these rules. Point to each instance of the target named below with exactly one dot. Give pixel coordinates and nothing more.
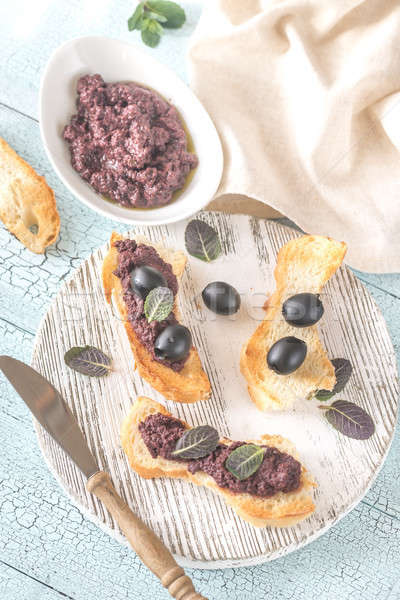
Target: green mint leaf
(134, 22)
(151, 32)
(245, 461)
(158, 304)
(156, 17)
(174, 14)
(197, 442)
(88, 360)
(145, 22)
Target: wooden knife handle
(143, 540)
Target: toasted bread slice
(191, 383)
(280, 510)
(25, 201)
(303, 265)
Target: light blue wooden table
(48, 551)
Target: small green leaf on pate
(88, 360)
(158, 304)
(196, 442)
(245, 461)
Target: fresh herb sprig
(153, 16)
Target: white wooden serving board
(194, 523)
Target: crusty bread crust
(303, 265)
(281, 510)
(188, 385)
(26, 200)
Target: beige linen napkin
(303, 94)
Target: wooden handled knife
(49, 408)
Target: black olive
(303, 310)
(144, 279)
(173, 343)
(221, 298)
(286, 355)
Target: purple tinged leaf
(202, 241)
(351, 420)
(197, 442)
(88, 360)
(343, 370)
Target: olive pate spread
(131, 255)
(128, 143)
(279, 472)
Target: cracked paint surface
(47, 538)
(48, 550)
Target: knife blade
(49, 408)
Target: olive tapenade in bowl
(125, 134)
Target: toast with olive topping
(191, 383)
(280, 510)
(303, 265)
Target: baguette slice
(26, 200)
(191, 383)
(281, 510)
(303, 265)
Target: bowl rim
(156, 219)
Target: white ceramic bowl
(119, 61)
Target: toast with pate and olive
(277, 490)
(284, 359)
(162, 349)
